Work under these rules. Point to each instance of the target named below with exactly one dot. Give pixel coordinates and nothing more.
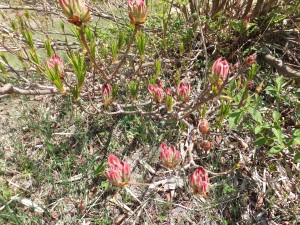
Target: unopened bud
(204, 126)
(76, 11)
(206, 145)
(137, 11)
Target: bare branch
(279, 65)
(10, 89)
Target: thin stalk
(83, 39)
(136, 28)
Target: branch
(10, 89)
(279, 65)
(136, 28)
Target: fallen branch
(279, 65)
(10, 89)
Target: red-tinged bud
(169, 92)
(220, 68)
(118, 173)
(114, 162)
(137, 11)
(56, 61)
(107, 93)
(199, 181)
(76, 11)
(169, 156)
(251, 59)
(183, 92)
(203, 126)
(206, 145)
(246, 21)
(156, 92)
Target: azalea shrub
(144, 67)
(129, 78)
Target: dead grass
(53, 155)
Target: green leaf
(278, 135)
(279, 82)
(296, 133)
(260, 141)
(235, 118)
(297, 157)
(253, 71)
(298, 92)
(271, 90)
(258, 129)
(256, 115)
(276, 116)
(275, 150)
(99, 169)
(294, 141)
(232, 87)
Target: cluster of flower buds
(76, 11)
(159, 94)
(137, 11)
(56, 63)
(118, 173)
(220, 70)
(169, 156)
(251, 59)
(199, 181)
(107, 94)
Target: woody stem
(85, 44)
(136, 28)
(221, 174)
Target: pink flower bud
(114, 162)
(56, 61)
(156, 92)
(183, 92)
(107, 93)
(118, 173)
(199, 181)
(76, 11)
(169, 156)
(251, 59)
(137, 11)
(203, 126)
(169, 92)
(220, 68)
(206, 145)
